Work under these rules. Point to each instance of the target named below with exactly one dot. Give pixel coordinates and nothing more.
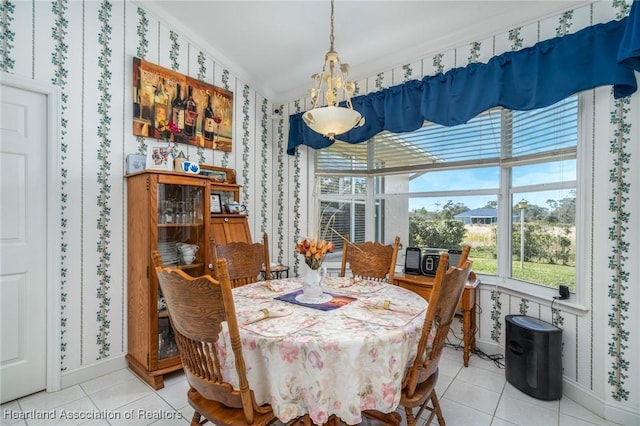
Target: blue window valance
(534, 77)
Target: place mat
(266, 289)
(351, 285)
(277, 326)
(336, 301)
(377, 314)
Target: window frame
(582, 185)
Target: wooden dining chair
(370, 259)
(418, 385)
(464, 255)
(197, 308)
(244, 260)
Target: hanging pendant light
(332, 120)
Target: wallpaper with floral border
(104, 177)
(59, 34)
(142, 30)
(296, 198)
(618, 286)
(264, 171)
(280, 193)
(245, 144)
(7, 36)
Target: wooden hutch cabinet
(226, 227)
(229, 228)
(168, 212)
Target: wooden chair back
(447, 291)
(197, 307)
(244, 260)
(418, 385)
(370, 259)
(464, 256)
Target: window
(504, 183)
(342, 211)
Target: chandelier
(332, 120)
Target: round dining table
(339, 357)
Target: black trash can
(533, 360)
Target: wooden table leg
(473, 322)
(468, 322)
(466, 338)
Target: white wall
(86, 48)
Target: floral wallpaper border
(59, 34)
(296, 199)
(280, 200)
(142, 29)
(6, 35)
(103, 178)
(264, 172)
(619, 251)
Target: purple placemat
(337, 301)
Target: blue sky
(487, 178)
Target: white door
(23, 236)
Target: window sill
(535, 293)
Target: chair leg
(437, 409)
(411, 420)
(195, 421)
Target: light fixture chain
(331, 33)
(332, 119)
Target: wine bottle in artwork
(160, 104)
(207, 121)
(177, 108)
(191, 114)
(136, 96)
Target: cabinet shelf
(179, 225)
(192, 266)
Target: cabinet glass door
(181, 239)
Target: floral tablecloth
(338, 362)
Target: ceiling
(275, 46)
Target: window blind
(494, 136)
(545, 132)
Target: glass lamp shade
(330, 121)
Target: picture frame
(215, 203)
(160, 156)
(202, 112)
(136, 163)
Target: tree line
(548, 230)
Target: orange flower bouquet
(314, 251)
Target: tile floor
(477, 395)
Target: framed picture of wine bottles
(169, 104)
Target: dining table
(339, 357)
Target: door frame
(53, 236)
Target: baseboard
(489, 347)
(609, 410)
(97, 369)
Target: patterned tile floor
(475, 396)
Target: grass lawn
(541, 273)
